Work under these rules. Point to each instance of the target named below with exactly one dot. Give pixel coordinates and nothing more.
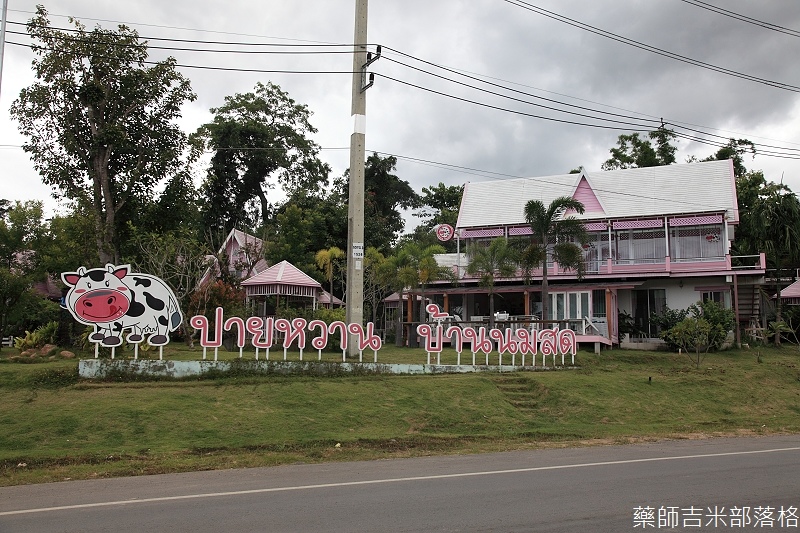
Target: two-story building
(658, 237)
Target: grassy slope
(55, 427)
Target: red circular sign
(445, 232)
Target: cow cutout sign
(115, 300)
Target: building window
(569, 305)
(599, 303)
(645, 303)
(723, 298)
(641, 246)
(697, 243)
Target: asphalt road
(713, 483)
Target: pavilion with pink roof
(286, 280)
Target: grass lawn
(55, 426)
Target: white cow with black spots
(114, 300)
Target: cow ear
(122, 271)
(70, 278)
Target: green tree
(100, 125)
(385, 195)
(735, 150)
(376, 285)
(290, 241)
(21, 233)
(439, 205)
(330, 261)
(496, 261)
(633, 151)
(259, 139)
(554, 237)
(415, 266)
(180, 261)
(777, 213)
(692, 334)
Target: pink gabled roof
(792, 291)
(325, 298)
(585, 194)
(283, 273)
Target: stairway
(520, 391)
(749, 297)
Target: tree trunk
(778, 309)
(491, 309)
(545, 292)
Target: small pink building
(288, 284)
(658, 237)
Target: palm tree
(328, 261)
(415, 266)
(778, 214)
(553, 238)
(498, 260)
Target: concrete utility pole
(3, 39)
(355, 207)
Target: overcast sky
(509, 43)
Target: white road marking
(390, 480)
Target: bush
(692, 334)
(718, 319)
(42, 335)
(668, 320)
(30, 313)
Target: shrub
(42, 335)
(692, 334)
(666, 321)
(719, 320)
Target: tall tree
(385, 195)
(290, 241)
(259, 139)
(414, 266)
(776, 217)
(376, 285)
(633, 151)
(180, 261)
(439, 205)
(21, 233)
(496, 261)
(735, 150)
(100, 124)
(554, 237)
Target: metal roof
(707, 187)
(283, 273)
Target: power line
(640, 127)
(503, 87)
(543, 181)
(635, 126)
(656, 122)
(743, 18)
(643, 116)
(232, 69)
(180, 28)
(649, 48)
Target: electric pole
(355, 207)
(3, 39)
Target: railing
(641, 261)
(581, 326)
(748, 262)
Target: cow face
(98, 295)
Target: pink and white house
(244, 254)
(658, 236)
